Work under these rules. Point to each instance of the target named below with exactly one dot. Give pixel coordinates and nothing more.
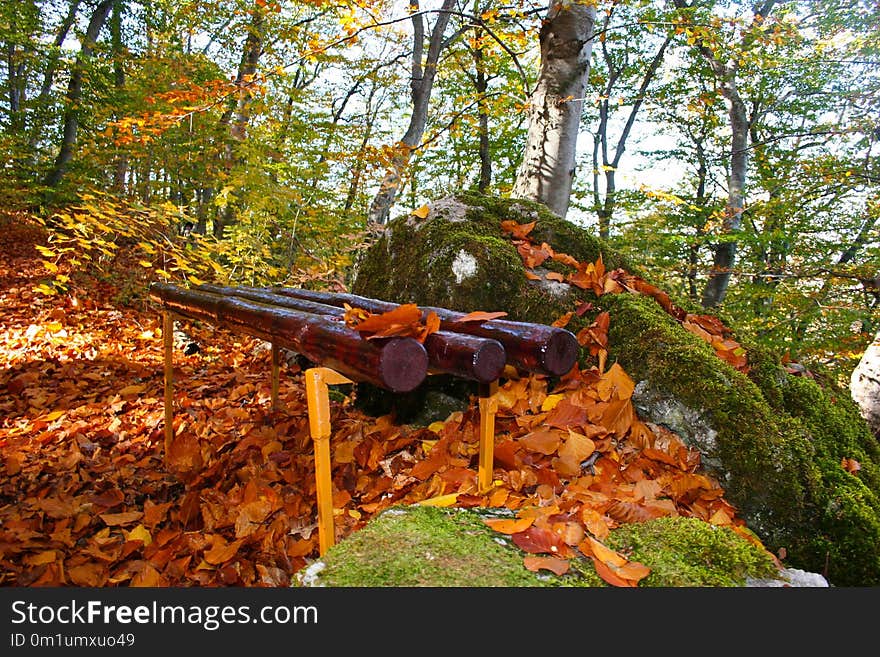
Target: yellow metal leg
(276, 359)
(168, 339)
(317, 379)
(488, 407)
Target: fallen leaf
(553, 564)
(480, 316)
(222, 551)
(126, 518)
(517, 230)
(509, 525)
(543, 441)
(421, 212)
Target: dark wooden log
(462, 355)
(531, 347)
(397, 364)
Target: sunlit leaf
(421, 212)
(509, 525)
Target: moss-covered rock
(690, 552)
(430, 546)
(421, 546)
(775, 441)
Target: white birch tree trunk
(547, 170)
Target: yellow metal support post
(276, 359)
(488, 407)
(317, 396)
(168, 339)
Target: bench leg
(488, 407)
(168, 339)
(318, 400)
(276, 360)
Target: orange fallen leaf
(543, 441)
(222, 551)
(480, 316)
(850, 465)
(563, 321)
(131, 390)
(553, 564)
(126, 518)
(402, 320)
(517, 230)
(509, 525)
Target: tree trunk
(611, 163)
(237, 116)
(725, 251)
(865, 385)
(357, 170)
(481, 85)
(725, 72)
(16, 88)
(55, 52)
(547, 170)
(423, 74)
(74, 94)
(121, 164)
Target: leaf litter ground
(88, 497)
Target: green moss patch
(425, 546)
(687, 552)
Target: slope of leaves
(88, 498)
(594, 277)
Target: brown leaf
(543, 441)
(88, 574)
(404, 320)
(595, 522)
(148, 577)
(571, 412)
(562, 322)
(480, 316)
(517, 230)
(221, 551)
(565, 259)
(615, 383)
(577, 447)
(629, 512)
(850, 465)
(126, 518)
(553, 564)
(534, 256)
(537, 540)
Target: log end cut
(560, 352)
(488, 361)
(403, 364)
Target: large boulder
(865, 385)
(776, 442)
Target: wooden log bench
(311, 324)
